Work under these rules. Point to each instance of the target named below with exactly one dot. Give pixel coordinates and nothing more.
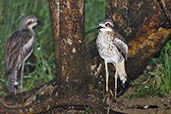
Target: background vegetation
(156, 78)
(40, 67)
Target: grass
(159, 79)
(88, 111)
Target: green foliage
(165, 60)
(88, 111)
(159, 79)
(94, 13)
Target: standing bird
(113, 49)
(18, 48)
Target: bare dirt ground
(123, 105)
(150, 105)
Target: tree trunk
(68, 30)
(80, 71)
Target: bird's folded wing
(121, 46)
(27, 45)
(13, 46)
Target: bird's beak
(99, 27)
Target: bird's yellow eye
(107, 24)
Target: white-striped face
(28, 22)
(106, 25)
(32, 22)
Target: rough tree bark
(68, 30)
(80, 72)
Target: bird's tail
(121, 71)
(12, 81)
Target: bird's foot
(110, 102)
(108, 99)
(16, 83)
(15, 87)
(123, 85)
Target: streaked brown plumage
(113, 49)
(18, 48)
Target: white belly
(110, 56)
(28, 45)
(107, 50)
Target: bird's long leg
(22, 73)
(15, 82)
(116, 76)
(15, 90)
(107, 93)
(107, 76)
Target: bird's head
(106, 25)
(28, 22)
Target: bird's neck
(31, 29)
(26, 28)
(107, 32)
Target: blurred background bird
(113, 49)
(18, 48)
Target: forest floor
(124, 105)
(149, 105)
